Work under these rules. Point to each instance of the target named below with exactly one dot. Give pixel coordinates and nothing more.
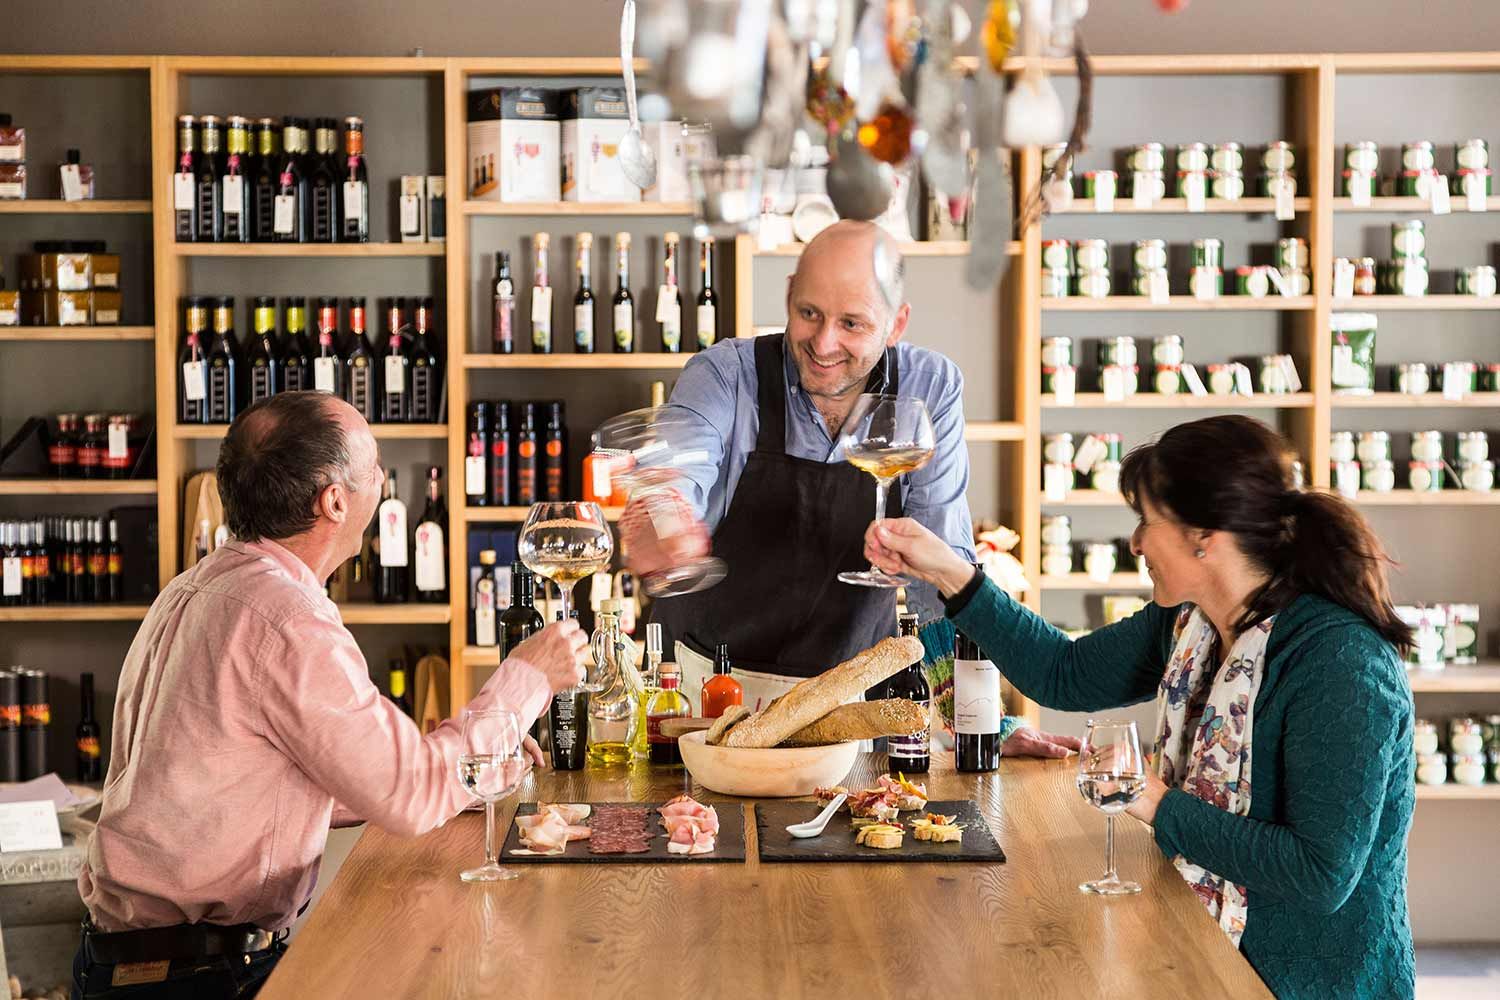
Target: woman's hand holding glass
(904, 547)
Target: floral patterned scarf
(1203, 739)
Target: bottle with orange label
(528, 462)
(555, 455)
(90, 754)
(721, 691)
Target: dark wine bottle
(910, 754)
(528, 482)
(209, 211)
(395, 365)
(354, 205)
(328, 367)
(431, 551)
(323, 183)
(708, 300)
(393, 573)
(185, 181)
(289, 211)
(223, 365)
(263, 354)
(400, 692)
(583, 298)
(115, 563)
(520, 621)
(568, 723)
(503, 298)
(502, 474)
(266, 178)
(236, 181)
(476, 456)
(976, 707)
(426, 368)
(192, 395)
(622, 306)
(555, 455)
(296, 355)
(86, 736)
(360, 388)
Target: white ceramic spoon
(814, 827)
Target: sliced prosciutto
(691, 826)
(548, 830)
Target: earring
(1200, 553)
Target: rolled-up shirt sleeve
(319, 707)
(707, 394)
(936, 495)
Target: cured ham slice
(574, 813)
(691, 826)
(549, 831)
(687, 837)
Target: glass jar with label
(1418, 155)
(1057, 255)
(1458, 378)
(1149, 255)
(1471, 154)
(1091, 255)
(1192, 156)
(1221, 379)
(1408, 239)
(1489, 726)
(1364, 276)
(1374, 446)
(1057, 354)
(1057, 529)
(1465, 736)
(1093, 283)
(1167, 350)
(1279, 157)
(1149, 157)
(1477, 477)
(1424, 739)
(1291, 254)
(1116, 352)
(1427, 446)
(1411, 378)
(1099, 559)
(1274, 181)
(1432, 769)
(1492, 757)
(1105, 476)
(1425, 477)
(1379, 476)
(1468, 769)
(1226, 185)
(1478, 281)
(1055, 283)
(1273, 377)
(1167, 380)
(1058, 448)
(1057, 560)
(1341, 446)
(1344, 476)
(1147, 185)
(1473, 446)
(1461, 647)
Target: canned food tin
(1208, 252)
(1192, 157)
(1408, 239)
(1427, 446)
(1424, 737)
(1057, 560)
(1463, 374)
(1221, 379)
(1187, 178)
(1345, 478)
(1116, 351)
(1227, 156)
(1057, 352)
(1471, 154)
(1296, 281)
(1477, 477)
(1273, 378)
(1051, 154)
(1418, 155)
(1206, 282)
(1058, 448)
(1168, 380)
(1362, 157)
(1291, 253)
(1374, 446)
(1093, 283)
(1092, 178)
(1356, 182)
(1271, 182)
(1140, 282)
(1278, 158)
(1091, 255)
(1425, 477)
(1378, 477)
(1481, 181)
(1112, 445)
(1416, 183)
(1252, 281)
(1100, 558)
(1364, 276)
(1057, 255)
(1432, 769)
(1341, 446)
(1054, 283)
(1477, 280)
(1167, 350)
(1106, 476)
(1489, 377)
(1226, 185)
(1411, 378)
(1468, 768)
(1149, 255)
(1148, 157)
(1057, 529)
(1473, 446)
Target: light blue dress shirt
(719, 387)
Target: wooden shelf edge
(1454, 679)
(75, 613)
(1182, 303)
(1427, 401)
(1445, 498)
(1087, 498)
(309, 250)
(1152, 401)
(77, 487)
(50, 206)
(1417, 303)
(570, 208)
(574, 362)
(1412, 205)
(307, 65)
(1178, 206)
(396, 614)
(75, 334)
(994, 430)
(1459, 793)
(909, 248)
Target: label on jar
(1104, 191)
(1360, 186)
(1455, 381)
(1056, 481)
(1194, 380)
(1285, 192)
(184, 196)
(1159, 289)
(1343, 278)
(1112, 381)
(1090, 451)
(1193, 191)
(1064, 385)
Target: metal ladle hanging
(859, 186)
(637, 159)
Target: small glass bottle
(77, 178)
(650, 684)
(721, 690)
(612, 709)
(667, 703)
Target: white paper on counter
(29, 826)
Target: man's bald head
(850, 243)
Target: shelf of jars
(525, 208)
(1418, 303)
(1178, 206)
(1183, 401)
(1420, 206)
(1458, 793)
(403, 432)
(576, 362)
(396, 614)
(88, 206)
(1126, 582)
(76, 487)
(70, 334)
(994, 430)
(908, 248)
(1455, 679)
(1434, 498)
(1426, 401)
(308, 249)
(75, 613)
(1087, 498)
(1183, 303)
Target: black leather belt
(182, 941)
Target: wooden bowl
(780, 772)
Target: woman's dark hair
(277, 458)
(1234, 474)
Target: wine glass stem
(565, 594)
(882, 487)
(489, 833)
(1109, 849)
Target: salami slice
(619, 830)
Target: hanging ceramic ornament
(859, 186)
(903, 34)
(998, 36)
(1033, 111)
(940, 108)
(890, 136)
(827, 103)
(876, 78)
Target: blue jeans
(223, 977)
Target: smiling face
(1170, 548)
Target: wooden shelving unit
(1184, 401)
(77, 487)
(75, 613)
(576, 362)
(44, 206)
(1182, 303)
(1481, 677)
(1087, 498)
(1428, 401)
(1446, 498)
(72, 334)
(1417, 303)
(307, 249)
(1178, 206)
(1418, 206)
(1459, 793)
(550, 209)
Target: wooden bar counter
(397, 922)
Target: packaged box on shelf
(12, 181)
(672, 150)
(515, 141)
(594, 122)
(54, 269)
(56, 308)
(104, 270)
(413, 211)
(437, 209)
(104, 307)
(12, 141)
(10, 308)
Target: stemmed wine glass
(1111, 775)
(490, 767)
(886, 436)
(565, 542)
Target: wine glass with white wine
(1111, 775)
(564, 543)
(886, 436)
(491, 765)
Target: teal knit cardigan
(1322, 853)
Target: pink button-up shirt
(245, 712)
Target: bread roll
(724, 723)
(862, 720)
(815, 697)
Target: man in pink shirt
(246, 723)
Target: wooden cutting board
(729, 844)
(836, 842)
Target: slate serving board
(729, 844)
(836, 842)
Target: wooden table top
(397, 922)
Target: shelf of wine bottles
(61, 560)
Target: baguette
(732, 715)
(861, 720)
(815, 697)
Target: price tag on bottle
(1194, 188)
(10, 572)
(395, 374)
(354, 199)
(1437, 192)
(666, 303)
(234, 193)
(1104, 191)
(1243, 384)
(194, 381)
(411, 215)
(541, 305)
(1160, 290)
(474, 484)
(1112, 381)
(72, 182)
(323, 377)
(1285, 195)
(1360, 186)
(1343, 278)
(1056, 480)
(1064, 385)
(1194, 380)
(183, 197)
(1474, 197)
(1455, 381)
(119, 441)
(284, 214)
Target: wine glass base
(489, 873)
(874, 578)
(689, 578)
(1110, 886)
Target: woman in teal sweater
(1271, 617)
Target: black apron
(792, 527)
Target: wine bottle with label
(393, 573)
(476, 456)
(86, 736)
(236, 193)
(528, 463)
(323, 183)
(503, 302)
(502, 475)
(296, 354)
(432, 551)
(192, 397)
(354, 201)
(263, 355)
(328, 367)
(911, 754)
(209, 211)
(669, 298)
(555, 455)
(223, 365)
(521, 620)
(976, 707)
(265, 179)
(395, 365)
(483, 601)
(114, 561)
(289, 211)
(583, 298)
(361, 390)
(185, 181)
(708, 300)
(400, 692)
(623, 304)
(425, 406)
(541, 296)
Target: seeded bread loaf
(861, 720)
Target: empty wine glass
(1111, 775)
(565, 542)
(886, 436)
(491, 764)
